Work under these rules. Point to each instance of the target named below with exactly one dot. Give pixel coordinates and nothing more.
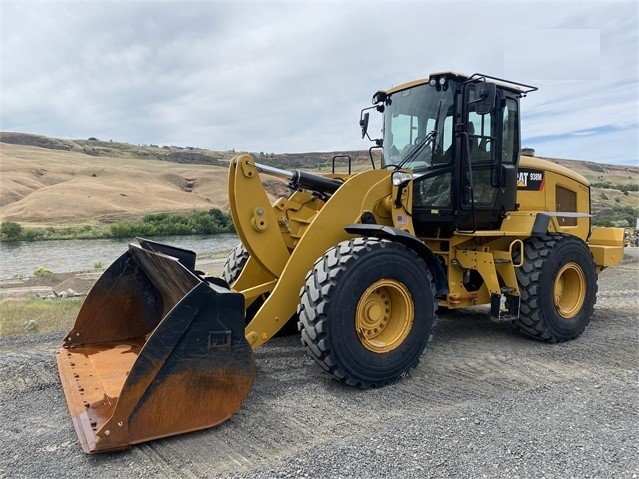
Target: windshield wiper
(418, 149)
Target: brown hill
(48, 181)
(55, 186)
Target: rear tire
(235, 263)
(558, 285)
(367, 311)
(232, 268)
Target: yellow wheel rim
(569, 290)
(384, 315)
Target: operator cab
(460, 137)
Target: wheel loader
(453, 217)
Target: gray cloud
(287, 77)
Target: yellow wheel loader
(453, 217)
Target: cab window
(510, 136)
(480, 132)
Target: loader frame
(469, 268)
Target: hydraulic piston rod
(302, 179)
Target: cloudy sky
(293, 77)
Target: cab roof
(509, 85)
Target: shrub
(165, 224)
(10, 231)
(121, 229)
(41, 271)
(609, 216)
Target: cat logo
(522, 181)
(530, 179)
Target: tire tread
(531, 321)
(316, 297)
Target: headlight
(401, 177)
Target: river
(62, 256)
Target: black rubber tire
(329, 301)
(235, 263)
(544, 258)
(232, 268)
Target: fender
(542, 220)
(412, 242)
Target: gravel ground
(484, 402)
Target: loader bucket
(156, 350)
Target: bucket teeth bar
(156, 350)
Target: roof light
(379, 97)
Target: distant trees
(165, 224)
(612, 186)
(159, 224)
(616, 214)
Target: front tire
(558, 285)
(367, 311)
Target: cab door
(490, 148)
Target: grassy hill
(42, 186)
(55, 182)
(614, 189)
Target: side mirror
(363, 123)
(486, 98)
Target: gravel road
(484, 402)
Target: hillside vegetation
(47, 182)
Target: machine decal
(528, 179)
